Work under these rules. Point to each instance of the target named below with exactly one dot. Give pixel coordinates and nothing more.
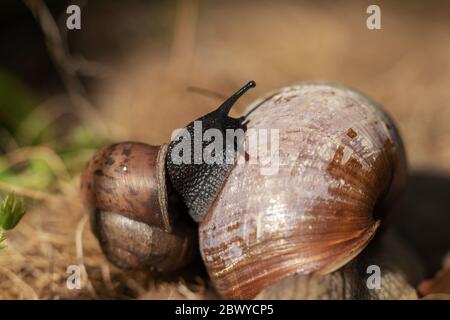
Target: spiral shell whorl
(340, 159)
(133, 212)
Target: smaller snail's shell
(341, 162)
(132, 209)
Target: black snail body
(198, 182)
(341, 166)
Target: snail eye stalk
(225, 107)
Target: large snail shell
(341, 164)
(132, 209)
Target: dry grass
(405, 66)
(54, 235)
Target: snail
(125, 189)
(341, 165)
(137, 196)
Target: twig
(53, 159)
(62, 60)
(78, 63)
(106, 276)
(184, 36)
(28, 193)
(186, 292)
(20, 282)
(206, 92)
(80, 256)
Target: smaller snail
(125, 189)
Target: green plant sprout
(2, 238)
(11, 212)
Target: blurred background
(125, 76)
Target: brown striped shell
(132, 209)
(341, 164)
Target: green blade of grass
(11, 211)
(2, 238)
